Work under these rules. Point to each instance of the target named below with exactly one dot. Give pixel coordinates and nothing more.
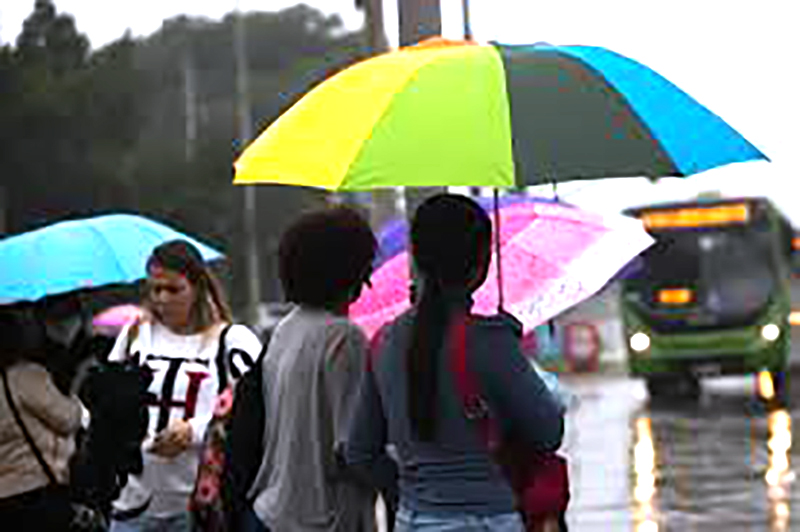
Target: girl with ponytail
(410, 400)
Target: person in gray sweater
(312, 371)
(409, 398)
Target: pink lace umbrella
(111, 321)
(553, 257)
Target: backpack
(540, 480)
(232, 451)
(246, 431)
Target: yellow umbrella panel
(398, 119)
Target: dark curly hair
(325, 257)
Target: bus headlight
(770, 332)
(640, 342)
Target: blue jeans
(174, 523)
(410, 521)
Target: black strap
(133, 513)
(36, 452)
(259, 363)
(262, 354)
(222, 368)
(133, 332)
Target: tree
(90, 132)
(118, 94)
(46, 162)
(52, 38)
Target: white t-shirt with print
(186, 382)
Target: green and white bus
(712, 296)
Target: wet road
(720, 464)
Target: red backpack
(540, 480)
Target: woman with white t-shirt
(186, 340)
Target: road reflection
(644, 489)
(690, 467)
(720, 464)
(779, 475)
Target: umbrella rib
(109, 247)
(497, 250)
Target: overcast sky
(737, 58)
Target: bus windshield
(728, 275)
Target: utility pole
(373, 21)
(190, 100)
(467, 22)
(384, 201)
(419, 20)
(245, 136)
(475, 192)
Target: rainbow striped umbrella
(448, 113)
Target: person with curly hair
(312, 371)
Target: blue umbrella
(81, 254)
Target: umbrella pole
(85, 310)
(497, 250)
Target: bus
(711, 297)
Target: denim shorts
(410, 521)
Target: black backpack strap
(219, 360)
(32, 444)
(259, 363)
(261, 355)
(133, 333)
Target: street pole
(467, 23)
(419, 20)
(473, 191)
(373, 21)
(383, 200)
(245, 135)
(190, 102)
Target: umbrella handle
(500, 309)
